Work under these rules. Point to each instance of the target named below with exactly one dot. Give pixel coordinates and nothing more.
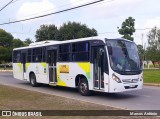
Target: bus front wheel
(33, 81)
(83, 88)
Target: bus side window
(37, 55)
(29, 55)
(64, 52)
(44, 54)
(16, 56)
(80, 51)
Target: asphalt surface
(146, 99)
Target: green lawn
(151, 75)
(150, 66)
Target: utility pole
(142, 40)
(144, 51)
(155, 37)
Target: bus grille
(127, 87)
(130, 80)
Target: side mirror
(110, 50)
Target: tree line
(153, 50)
(67, 31)
(74, 30)
(7, 43)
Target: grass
(20, 99)
(151, 66)
(151, 75)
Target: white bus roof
(53, 42)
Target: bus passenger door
(98, 67)
(23, 60)
(52, 60)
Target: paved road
(146, 99)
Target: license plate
(132, 86)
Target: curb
(6, 70)
(152, 84)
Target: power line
(22, 33)
(143, 29)
(38, 13)
(14, 1)
(65, 10)
(137, 29)
(6, 5)
(52, 9)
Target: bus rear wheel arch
(83, 87)
(32, 78)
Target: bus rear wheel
(83, 87)
(33, 81)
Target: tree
(46, 32)
(28, 41)
(153, 50)
(5, 54)
(141, 51)
(7, 43)
(5, 38)
(73, 30)
(67, 31)
(17, 43)
(154, 38)
(153, 55)
(127, 29)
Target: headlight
(114, 77)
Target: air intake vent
(130, 80)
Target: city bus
(89, 64)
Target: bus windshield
(124, 58)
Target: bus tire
(33, 81)
(83, 87)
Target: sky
(105, 16)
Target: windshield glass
(124, 57)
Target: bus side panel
(67, 72)
(40, 70)
(84, 68)
(64, 77)
(18, 71)
(42, 77)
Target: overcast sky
(105, 16)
